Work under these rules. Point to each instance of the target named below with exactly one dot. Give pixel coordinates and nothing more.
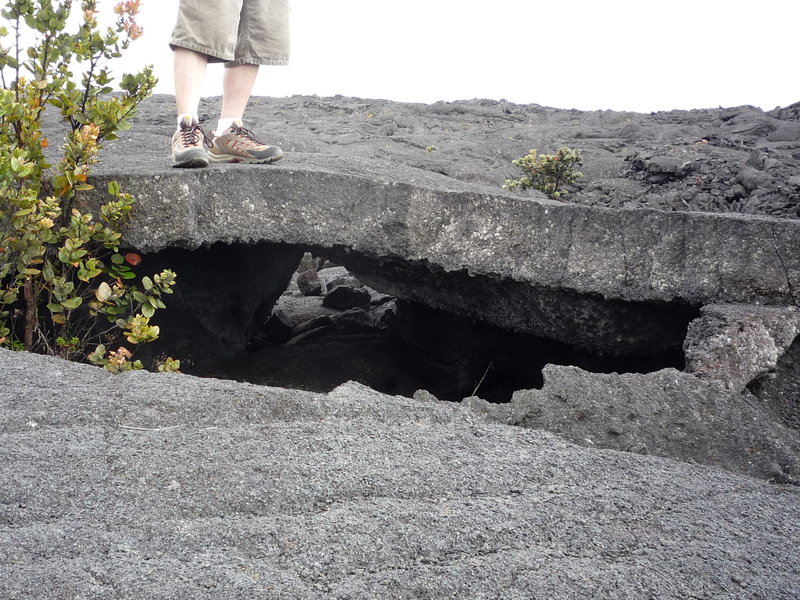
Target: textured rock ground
(737, 159)
(167, 486)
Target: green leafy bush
(64, 284)
(548, 172)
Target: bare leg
(190, 70)
(236, 87)
(234, 143)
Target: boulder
(309, 283)
(737, 344)
(345, 297)
(667, 413)
(779, 388)
(339, 276)
(319, 322)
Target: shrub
(64, 284)
(548, 172)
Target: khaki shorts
(236, 32)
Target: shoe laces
(247, 134)
(190, 136)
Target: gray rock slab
(666, 413)
(418, 216)
(593, 274)
(737, 159)
(348, 181)
(167, 486)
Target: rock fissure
(794, 299)
(436, 348)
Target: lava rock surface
(167, 486)
(738, 159)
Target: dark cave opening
(239, 313)
(397, 347)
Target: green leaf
(47, 271)
(113, 188)
(148, 311)
(59, 182)
(72, 303)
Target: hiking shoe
(188, 145)
(237, 144)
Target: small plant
(64, 284)
(116, 361)
(67, 347)
(169, 365)
(548, 172)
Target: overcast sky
(588, 54)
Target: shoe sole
(235, 158)
(196, 157)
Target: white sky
(640, 55)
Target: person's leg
(259, 20)
(202, 34)
(232, 142)
(236, 87)
(263, 39)
(188, 141)
(190, 70)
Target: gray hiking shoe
(237, 144)
(189, 145)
